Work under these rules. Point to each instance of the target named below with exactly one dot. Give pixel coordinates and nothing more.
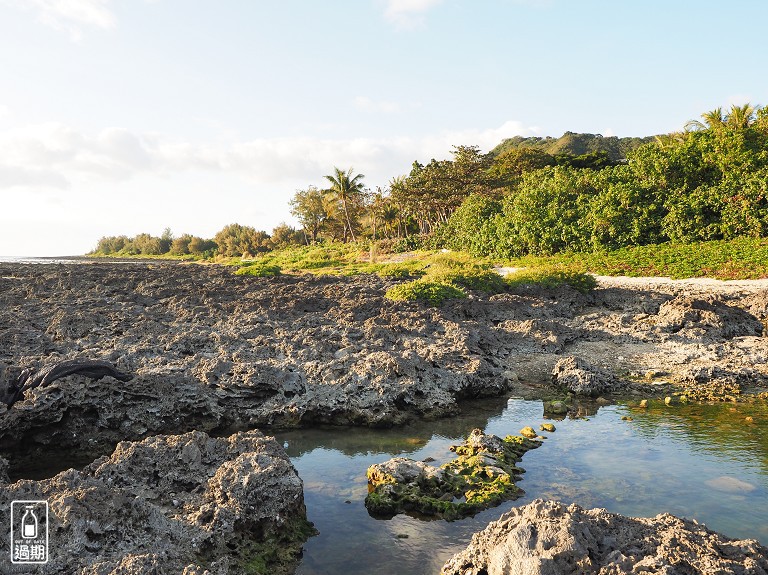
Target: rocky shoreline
(550, 538)
(185, 503)
(211, 353)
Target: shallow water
(700, 461)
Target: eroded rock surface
(172, 504)
(579, 376)
(550, 538)
(706, 318)
(212, 351)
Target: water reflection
(690, 461)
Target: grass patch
(475, 279)
(402, 270)
(740, 258)
(260, 270)
(551, 277)
(425, 291)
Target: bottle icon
(29, 523)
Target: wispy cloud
(408, 13)
(70, 16)
(59, 156)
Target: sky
(129, 116)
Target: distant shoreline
(39, 260)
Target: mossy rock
(556, 407)
(528, 432)
(482, 475)
(547, 427)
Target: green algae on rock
(481, 476)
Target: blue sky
(125, 116)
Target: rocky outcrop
(705, 319)
(172, 504)
(582, 378)
(550, 538)
(482, 475)
(210, 350)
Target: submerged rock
(482, 476)
(550, 538)
(172, 504)
(582, 378)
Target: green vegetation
(571, 144)
(551, 277)
(259, 270)
(425, 291)
(277, 554)
(609, 205)
(708, 183)
(740, 258)
(481, 476)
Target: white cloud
(75, 186)
(70, 16)
(59, 156)
(408, 13)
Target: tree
(284, 235)
(310, 209)
(741, 117)
(713, 119)
(237, 240)
(508, 167)
(166, 241)
(737, 118)
(180, 246)
(199, 246)
(347, 189)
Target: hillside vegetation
(536, 197)
(574, 144)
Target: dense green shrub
(408, 244)
(428, 292)
(472, 227)
(704, 185)
(549, 277)
(474, 279)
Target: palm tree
(713, 119)
(390, 215)
(346, 188)
(738, 117)
(741, 116)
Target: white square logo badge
(29, 532)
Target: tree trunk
(349, 224)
